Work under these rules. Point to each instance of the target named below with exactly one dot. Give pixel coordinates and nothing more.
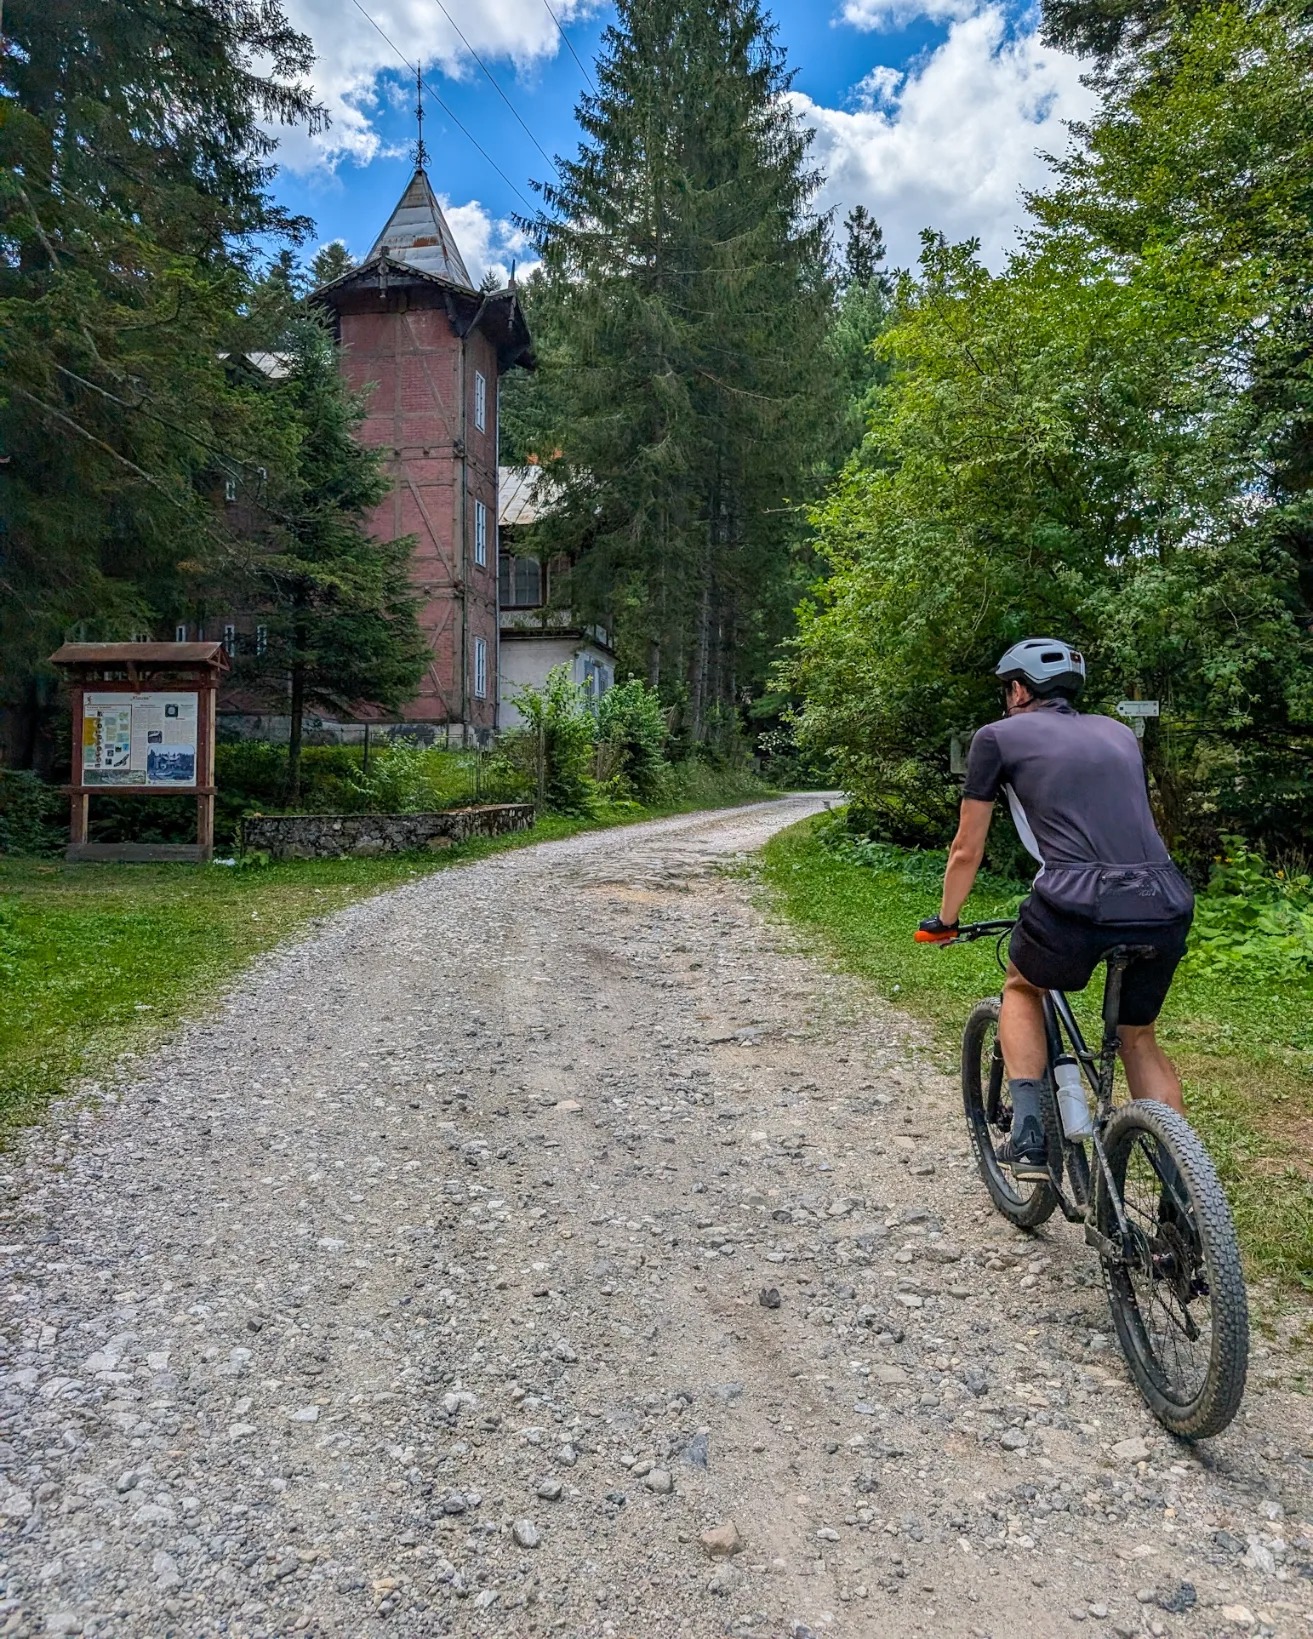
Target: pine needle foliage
(337, 607)
(682, 315)
(135, 146)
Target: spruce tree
(135, 142)
(330, 261)
(337, 607)
(682, 323)
(863, 255)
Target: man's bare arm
(964, 857)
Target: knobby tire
(984, 1103)
(1193, 1387)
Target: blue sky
(929, 112)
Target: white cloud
(879, 88)
(876, 14)
(953, 141)
(488, 242)
(351, 55)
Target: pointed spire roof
(417, 234)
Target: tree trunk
(701, 655)
(1167, 788)
(296, 708)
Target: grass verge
(97, 961)
(1244, 1048)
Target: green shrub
(1252, 916)
(251, 777)
(401, 779)
(33, 815)
(693, 782)
(405, 778)
(921, 868)
(632, 724)
(557, 740)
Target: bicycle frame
(1099, 1069)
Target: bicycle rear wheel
(989, 1121)
(1178, 1299)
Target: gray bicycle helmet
(1045, 665)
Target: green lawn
(1245, 1049)
(97, 960)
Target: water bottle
(1072, 1102)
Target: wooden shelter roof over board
(141, 654)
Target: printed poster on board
(139, 739)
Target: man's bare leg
(1021, 1028)
(1021, 1038)
(1149, 1072)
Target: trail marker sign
(1137, 711)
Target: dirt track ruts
(420, 1282)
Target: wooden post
(205, 723)
(78, 802)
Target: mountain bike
(1139, 1179)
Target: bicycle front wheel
(989, 1121)
(1177, 1295)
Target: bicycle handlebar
(968, 932)
(982, 930)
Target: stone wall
(329, 836)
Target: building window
(180, 632)
(480, 534)
(230, 490)
(520, 582)
(230, 639)
(261, 639)
(480, 669)
(596, 678)
(480, 400)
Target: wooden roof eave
(497, 312)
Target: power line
(569, 45)
(496, 87)
(443, 106)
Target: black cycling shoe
(1025, 1161)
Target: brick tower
(430, 348)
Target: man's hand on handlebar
(933, 931)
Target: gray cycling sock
(1026, 1093)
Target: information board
(139, 739)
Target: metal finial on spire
(421, 152)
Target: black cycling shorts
(1058, 952)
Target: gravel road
(432, 1278)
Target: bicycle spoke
(1163, 1275)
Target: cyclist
(1077, 790)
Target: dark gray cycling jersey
(1076, 787)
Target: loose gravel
(551, 1246)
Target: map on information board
(139, 739)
